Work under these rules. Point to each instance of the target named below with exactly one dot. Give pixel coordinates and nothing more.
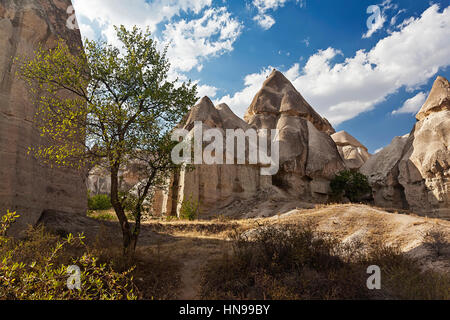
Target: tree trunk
(120, 212)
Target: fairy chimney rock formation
(414, 171)
(351, 150)
(25, 185)
(279, 97)
(438, 100)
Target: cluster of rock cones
(412, 173)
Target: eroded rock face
(351, 150)
(279, 97)
(424, 170)
(382, 172)
(211, 186)
(438, 100)
(25, 185)
(417, 167)
(309, 158)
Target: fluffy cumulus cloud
(263, 7)
(190, 41)
(412, 105)
(265, 21)
(107, 13)
(210, 31)
(407, 58)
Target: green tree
(111, 106)
(351, 184)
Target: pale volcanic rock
(229, 119)
(424, 171)
(206, 113)
(417, 167)
(309, 158)
(211, 186)
(278, 96)
(351, 150)
(27, 186)
(438, 100)
(382, 172)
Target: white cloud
(190, 41)
(205, 90)
(407, 58)
(412, 105)
(265, 21)
(134, 12)
(378, 150)
(306, 41)
(263, 6)
(211, 32)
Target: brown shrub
(296, 262)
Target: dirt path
(194, 251)
(190, 279)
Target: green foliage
(296, 262)
(105, 216)
(189, 209)
(25, 275)
(111, 106)
(350, 184)
(99, 202)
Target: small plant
(189, 209)
(171, 218)
(99, 202)
(435, 240)
(350, 184)
(106, 216)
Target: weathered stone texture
(25, 185)
(351, 150)
(414, 171)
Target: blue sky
(367, 79)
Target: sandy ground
(196, 243)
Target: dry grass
(297, 262)
(172, 255)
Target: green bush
(189, 209)
(99, 202)
(32, 269)
(350, 184)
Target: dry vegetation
(320, 253)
